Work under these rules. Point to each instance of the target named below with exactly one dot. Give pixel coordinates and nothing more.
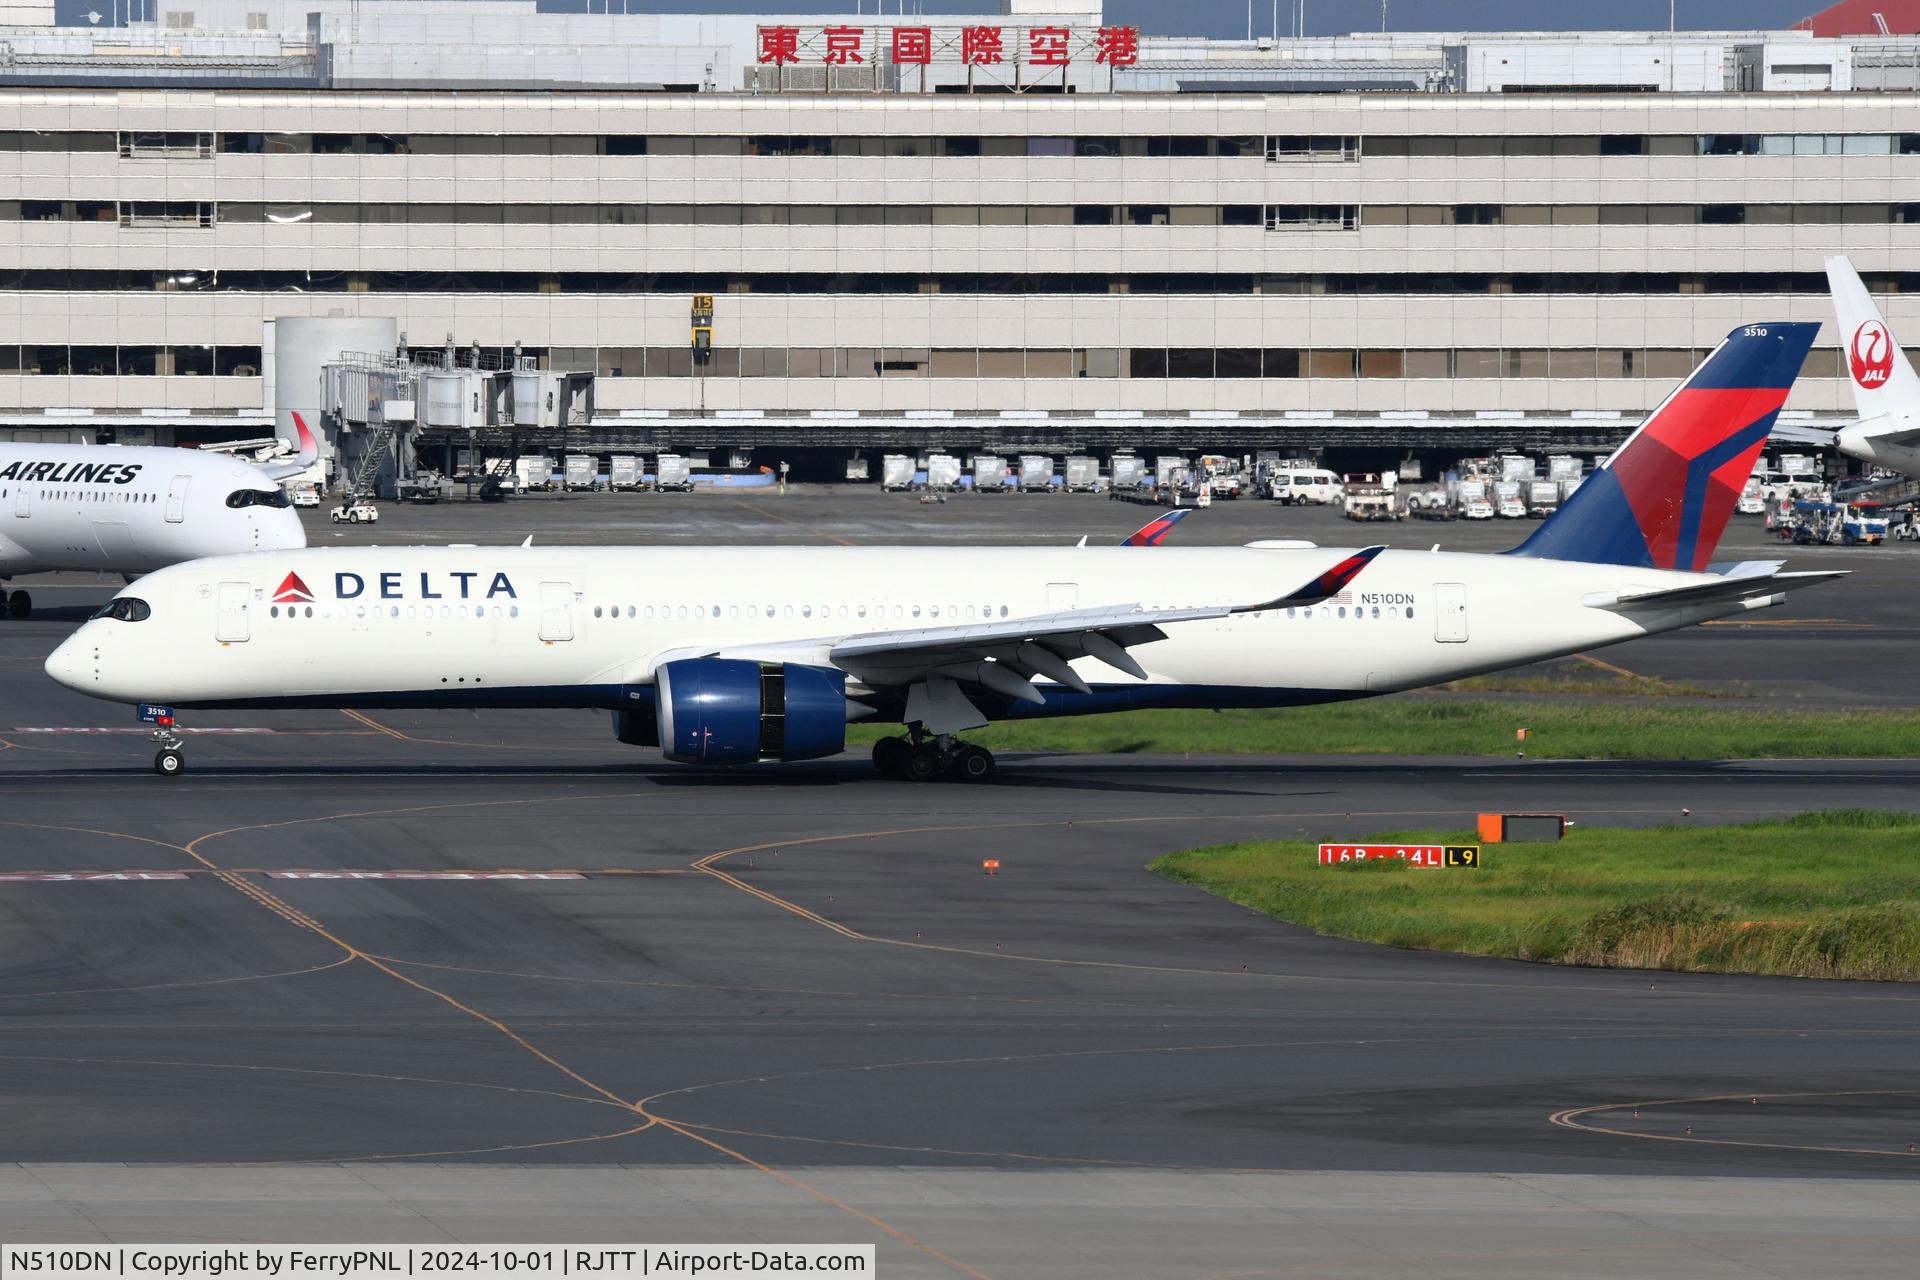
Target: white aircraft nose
(67, 664)
(285, 535)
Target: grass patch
(1465, 726)
(1821, 895)
(1586, 677)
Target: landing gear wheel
(924, 763)
(890, 757)
(169, 763)
(19, 604)
(971, 764)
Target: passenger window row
(825, 612)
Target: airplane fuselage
(589, 626)
(130, 509)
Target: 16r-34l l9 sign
(1414, 855)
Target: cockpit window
(258, 498)
(125, 609)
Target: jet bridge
(397, 414)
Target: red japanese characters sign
(968, 46)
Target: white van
(1304, 484)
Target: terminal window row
(1665, 363)
(139, 144)
(95, 361)
(1274, 217)
(198, 279)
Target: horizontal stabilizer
(1739, 584)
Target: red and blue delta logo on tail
(1663, 499)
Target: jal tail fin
(1886, 390)
(1664, 497)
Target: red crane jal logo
(292, 591)
(1870, 358)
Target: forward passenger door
(233, 624)
(1450, 613)
(556, 611)
(177, 499)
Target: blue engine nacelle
(729, 711)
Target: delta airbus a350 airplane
(746, 654)
(129, 509)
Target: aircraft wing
(1802, 433)
(1752, 579)
(308, 455)
(1005, 655)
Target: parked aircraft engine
(729, 711)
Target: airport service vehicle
(1083, 474)
(306, 496)
(736, 655)
(896, 472)
(1036, 473)
(130, 509)
(360, 512)
(1129, 472)
(943, 472)
(1507, 502)
(624, 472)
(1476, 509)
(989, 473)
(580, 472)
(1543, 498)
(534, 471)
(1294, 485)
(1752, 501)
(672, 472)
(1886, 390)
(1369, 496)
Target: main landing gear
(19, 604)
(169, 761)
(932, 758)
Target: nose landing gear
(170, 761)
(936, 758)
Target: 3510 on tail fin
(1663, 499)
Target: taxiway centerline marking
(273, 903)
(1569, 1118)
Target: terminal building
(1029, 226)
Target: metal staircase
(378, 446)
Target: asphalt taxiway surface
(440, 976)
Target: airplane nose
(67, 664)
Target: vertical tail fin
(1155, 531)
(1663, 499)
(1886, 390)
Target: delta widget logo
(1870, 357)
(292, 591)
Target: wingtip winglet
(1330, 583)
